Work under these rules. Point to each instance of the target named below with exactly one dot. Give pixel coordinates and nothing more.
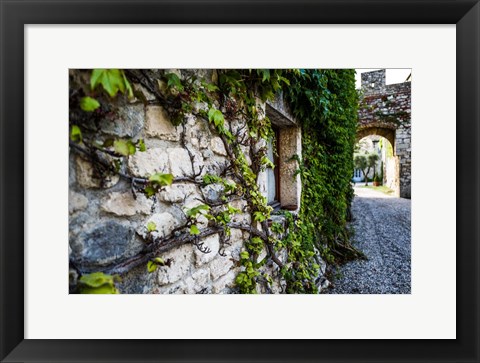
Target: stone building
(108, 221)
(385, 110)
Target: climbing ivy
(325, 101)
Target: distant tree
(365, 163)
(372, 162)
(361, 163)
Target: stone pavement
(382, 226)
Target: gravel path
(382, 231)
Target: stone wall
(385, 110)
(108, 221)
(390, 173)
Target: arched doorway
(380, 141)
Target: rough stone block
(207, 154)
(76, 202)
(176, 193)
(144, 164)
(235, 244)
(201, 276)
(176, 288)
(158, 124)
(182, 259)
(72, 278)
(213, 244)
(87, 178)
(239, 204)
(220, 266)
(146, 94)
(127, 122)
(194, 142)
(278, 286)
(224, 283)
(217, 146)
(107, 242)
(202, 221)
(236, 235)
(290, 143)
(212, 192)
(165, 223)
(198, 282)
(180, 163)
(243, 218)
(282, 255)
(190, 285)
(203, 137)
(123, 204)
(262, 254)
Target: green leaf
(211, 87)
(112, 81)
(258, 216)
(89, 104)
(127, 85)
(195, 210)
(267, 162)
(76, 134)
(265, 74)
(151, 266)
(121, 147)
(285, 80)
(218, 119)
(151, 226)
(131, 147)
(104, 289)
(150, 191)
(96, 279)
(97, 283)
(124, 147)
(241, 277)
(158, 261)
(141, 145)
(173, 81)
(210, 179)
(161, 179)
(233, 210)
(194, 229)
(95, 77)
(216, 116)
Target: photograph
(239, 181)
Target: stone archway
(389, 162)
(376, 128)
(385, 111)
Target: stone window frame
(288, 144)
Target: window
(281, 185)
(273, 174)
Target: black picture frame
(15, 14)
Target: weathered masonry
(108, 222)
(385, 110)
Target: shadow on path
(382, 225)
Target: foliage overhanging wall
(326, 102)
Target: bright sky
(393, 75)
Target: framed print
(432, 318)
